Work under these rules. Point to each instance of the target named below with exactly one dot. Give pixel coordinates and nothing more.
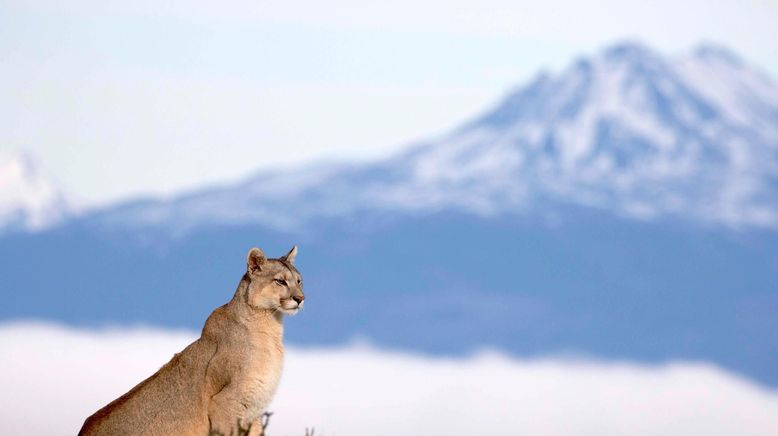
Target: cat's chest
(263, 373)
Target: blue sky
(123, 99)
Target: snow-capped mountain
(627, 131)
(29, 198)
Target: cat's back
(172, 401)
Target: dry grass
(264, 422)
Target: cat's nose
(298, 298)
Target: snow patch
(29, 198)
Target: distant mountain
(625, 208)
(626, 131)
(29, 197)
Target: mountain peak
(629, 51)
(631, 131)
(29, 198)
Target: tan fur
(223, 381)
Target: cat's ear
(289, 257)
(255, 260)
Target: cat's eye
(281, 282)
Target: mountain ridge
(625, 130)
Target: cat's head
(274, 284)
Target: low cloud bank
(53, 377)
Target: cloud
(53, 377)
